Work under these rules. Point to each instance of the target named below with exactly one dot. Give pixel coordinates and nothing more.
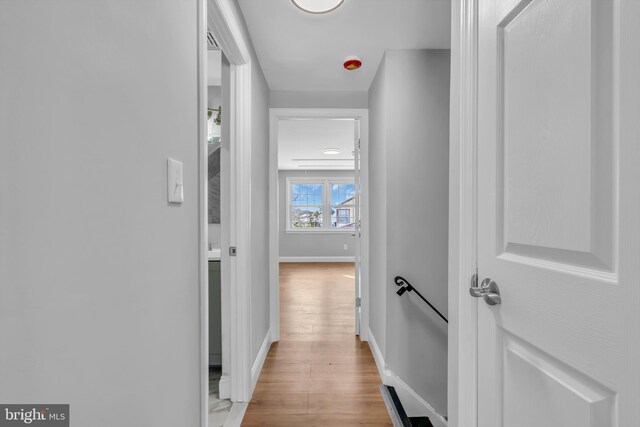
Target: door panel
(555, 65)
(552, 156)
(557, 395)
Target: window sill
(320, 231)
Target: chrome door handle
(488, 290)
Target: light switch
(175, 192)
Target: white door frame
(235, 288)
(275, 115)
(463, 310)
(203, 218)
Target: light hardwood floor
(319, 374)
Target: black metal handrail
(406, 286)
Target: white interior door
(559, 217)
(357, 224)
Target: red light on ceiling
(352, 63)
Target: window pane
(343, 217)
(306, 194)
(342, 194)
(306, 217)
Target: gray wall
(410, 96)
(378, 206)
(318, 99)
(214, 100)
(302, 244)
(214, 96)
(259, 208)
(99, 287)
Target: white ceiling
(300, 144)
(301, 51)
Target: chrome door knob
(488, 290)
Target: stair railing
(405, 286)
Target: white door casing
(559, 213)
(357, 234)
(235, 383)
(361, 116)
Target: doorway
(332, 221)
(319, 369)
(217, 182)
(222, 29)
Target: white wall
(300, 244)
(318, 99)
(410, 96)
(99, 287)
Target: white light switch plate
(175, 192)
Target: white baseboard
(224, 387)
(234, 419)
(260, 359)
(377, 356)
(413, 404)
(317, 259)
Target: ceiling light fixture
(317, 6)
(331, 151)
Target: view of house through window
(321, 204)
(342, 205)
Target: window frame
(326, 203)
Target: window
(320, 205)
(343, 208)
(306, 205)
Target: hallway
(319, 374)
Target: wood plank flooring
(319, 374)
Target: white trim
(224, 387)
(240, 286)
(227, 31)
(203, 229)
(234, 419)
(320, 231)
(236, 297)
(260, 359)
(378, 357)
(275, 115)
(317, 259)
(463, 310)
(413, 404)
